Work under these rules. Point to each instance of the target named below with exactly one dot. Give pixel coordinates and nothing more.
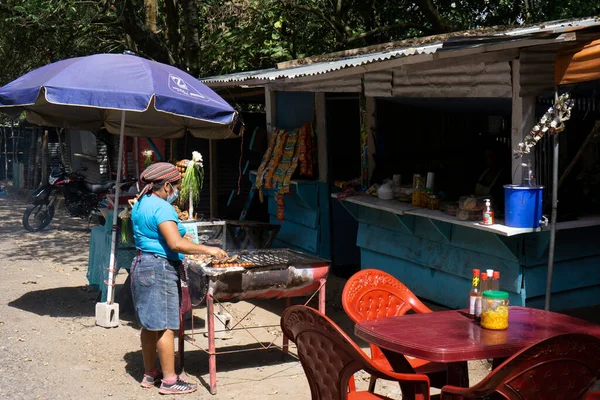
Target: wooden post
(44, 154)
(38, 151)
(371, 132)
(270, 109)
(523, 119)
(321, 131)
(60, 147)
(214, 194)
(32, 159)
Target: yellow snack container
(494, 310)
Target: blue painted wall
(294, 109)
(435, 259)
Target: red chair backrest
(329, 357)
(563, 367)
(373, 294)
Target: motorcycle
(82, 199)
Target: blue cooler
(523, 206)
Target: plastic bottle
(488, 213)
(475, 295)
(496, 281)
(484, 285)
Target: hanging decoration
(126, 231)
(192, 183)
(552, 122)
(286, 151)
(147, 157)
(364, 143)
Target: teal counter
(99, 256)
(434, 254)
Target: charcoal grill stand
(302, 265)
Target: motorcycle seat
(98, 188)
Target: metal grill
(271, 257)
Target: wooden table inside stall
(452, 337)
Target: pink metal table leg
(212, 356)
(285, 346)
(180, 345)
(322, 296)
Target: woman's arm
(178, 244)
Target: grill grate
(269, 257)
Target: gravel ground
(50, 347)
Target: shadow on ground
(65, 240)
(72, 301)
(232, 358)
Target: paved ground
(50, 347)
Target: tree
(213, 37)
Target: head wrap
(156, 173)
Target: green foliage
(192, 184)
(213, 37)
(37, 32)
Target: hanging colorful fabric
(275, 159)
(287, 179)
(263, 165)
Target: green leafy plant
(193, 181)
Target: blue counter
(434, 255)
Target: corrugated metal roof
(318, 68)
(323, 67)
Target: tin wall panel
(537, 71)
(378, 84)
(481, 79)
(342, 85)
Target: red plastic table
(452, 337)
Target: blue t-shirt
(147, 214)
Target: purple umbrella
(125, 94)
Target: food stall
(499, 84)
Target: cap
(495, 294)
(476, 272)
(490, 272)
(496, 274)
(484, 276)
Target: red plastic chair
(563, 367)
(593, 396)
(330, 358)
(372, 294)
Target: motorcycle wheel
(37, 216)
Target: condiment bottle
(475, 295)
(496, 281)
(484, 285)
(488, 213)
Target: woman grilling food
(157, 272)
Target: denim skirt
(155, 292)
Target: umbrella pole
(107, 314)
(553, 216)
(110, 294)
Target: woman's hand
(216, 252)
(189, 237)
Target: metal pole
(5, 154)
(113, 246)
(553, 216)
(15, 151)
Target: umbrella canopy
(89, 93)
(127, 95)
